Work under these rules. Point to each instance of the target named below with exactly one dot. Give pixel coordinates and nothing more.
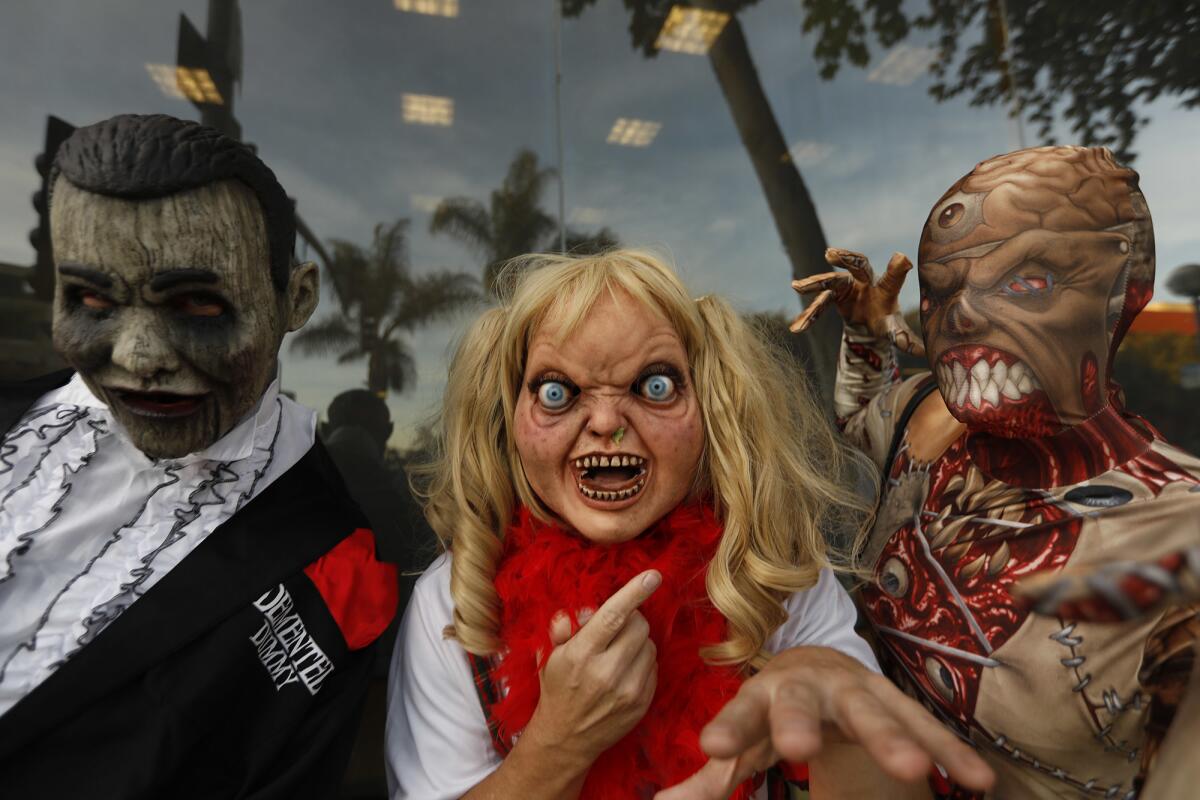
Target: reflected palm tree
(788, 199)
(513, 223)
(380, 299)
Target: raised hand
(859, 298)
(598, 683)
(805, 706)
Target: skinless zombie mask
(1031, 269)
(170, 305)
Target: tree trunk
(377, 379)
(788, 198)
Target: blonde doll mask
(622, 368)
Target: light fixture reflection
(193, 83)
(427, 109)
(690, 30)
(434, 8)
(633, 132)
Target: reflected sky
(322, 100)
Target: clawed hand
(859, 299)
(808, 698)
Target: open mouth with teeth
(610, 477)
(990, 388)
(160, 404)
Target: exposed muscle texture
(1023, 467)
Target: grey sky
(321, 99)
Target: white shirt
(88, 523)
(438, 745)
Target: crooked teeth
(986, 383)
(605, 461)
(623, 494)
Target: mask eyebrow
(88, 274)
(166, 280)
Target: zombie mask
(168, 305)
(1031, 269)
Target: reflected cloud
(903, 65)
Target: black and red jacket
(241, 674)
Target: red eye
(198, 306)
(1030, 284)
(94, 301)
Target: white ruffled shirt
(438, 745)
(88, 523)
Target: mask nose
(606, 418)
(141, 347)
(963, 320)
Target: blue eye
(658, 388)
(553, 395)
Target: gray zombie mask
(167, 309)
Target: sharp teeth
(624, 461)
(976, 395)
(1025, 384)
(992, 394)
(999, 373)
(980, 371)
(591, 461)
(961, 397)
(960, 374)
(1010, 390)
(604, 461)
(587, 491)
(1016, 371)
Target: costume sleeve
(868, 394)
(437, 745)
(822, 615)
(312, 765)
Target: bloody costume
(1023, 461)
(188, 596)
(452, 716)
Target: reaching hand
(859, 299)
(810, 697)
(598, 683)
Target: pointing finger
(599, 631)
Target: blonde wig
(771, 463)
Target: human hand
(859, 298)
(808, 699)
(598, 683)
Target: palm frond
(433, 296)
(324, 337)
(464, 219)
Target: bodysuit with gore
(1014, 457)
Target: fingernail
(651, 581)
(584, 615)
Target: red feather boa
(545, 569)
